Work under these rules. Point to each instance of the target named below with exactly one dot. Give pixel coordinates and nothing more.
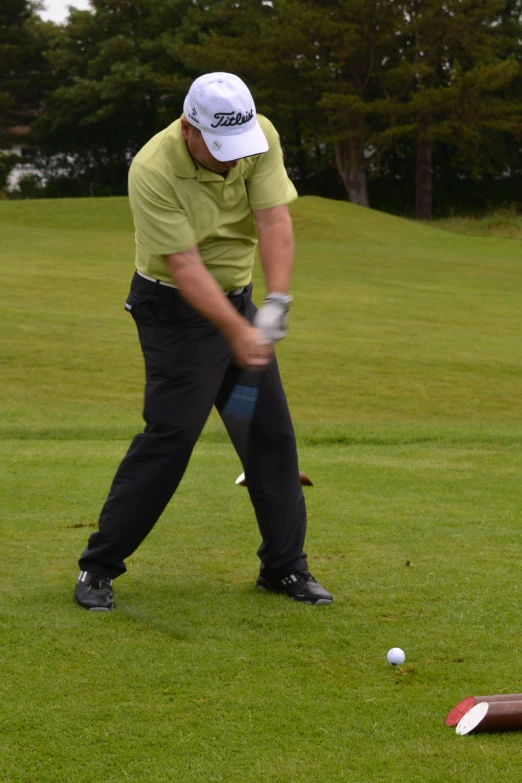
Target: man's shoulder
(151, 149)
(151, 168)
(268, 128)
(155, 154)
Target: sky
(57, 10)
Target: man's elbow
(182, 263)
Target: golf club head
(305, 481)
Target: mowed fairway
(403, 369)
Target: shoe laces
(306, 576)
(99, 582)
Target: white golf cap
(222, 107)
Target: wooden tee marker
(464, 706)
(492, 716)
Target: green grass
(503, 223)
(403, 371)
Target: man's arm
(276, 246)
(201, 290)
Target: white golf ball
(395, 656)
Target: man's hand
(272, 316)
(251, 348)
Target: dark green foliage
(315, 69)
(460, 58)
(461, 185)
(361, 75)
(361, 91)
(118, 83)
(24, 71)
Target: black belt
(235, 292)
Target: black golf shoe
(300, 586)
(94, 592)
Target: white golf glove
(272, 316)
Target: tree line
(412, 106)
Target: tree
(315, 67)
(347, 82)
(460, 61)
(263, 44)
(363, 74)
(117, 84)
(359, 56)
(24, 72)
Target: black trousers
(189, 368)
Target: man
(200, 191)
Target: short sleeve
(162, 227)
(268, 184)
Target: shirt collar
(183, 163)
(178, 153)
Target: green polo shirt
(177, 204)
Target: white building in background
(22, 150)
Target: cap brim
(238, 145)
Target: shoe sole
(320, 602)
(94, 608)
